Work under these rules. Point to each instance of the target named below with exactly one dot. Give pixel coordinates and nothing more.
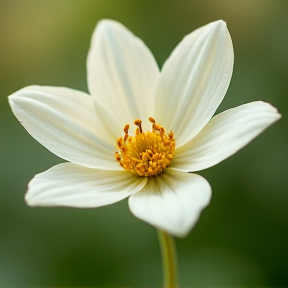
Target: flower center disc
(145, 154)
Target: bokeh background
(241, 238)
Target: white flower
(126, 84)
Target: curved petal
(194, 81)
(65, 122)
(71, 185)
(224, 135)
(122, 72)
(172, 201)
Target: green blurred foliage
(240, 239)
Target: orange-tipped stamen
(138, 122)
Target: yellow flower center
(145, 153)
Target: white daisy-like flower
(174, 135)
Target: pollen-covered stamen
(126, 128)
(145, 153)
(138, 122)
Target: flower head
(146, 154)
(174, 133)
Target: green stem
(169, 259)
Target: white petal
(65, 122)
(224, 135)
(71, 185)
(172, 201)
(122, 72)
(194, 81)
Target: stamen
(145, 154)
(138, 122)
(126, 128)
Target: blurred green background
(241, 238)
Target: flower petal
(71, 185)
(194, 81)
(172, 201)
(224, 135)
(122, 72)
(65, 122)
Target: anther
(152, 120)
(126, 128)
(119, 143)
(138, 122)
(118, 158)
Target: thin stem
(169, 259)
